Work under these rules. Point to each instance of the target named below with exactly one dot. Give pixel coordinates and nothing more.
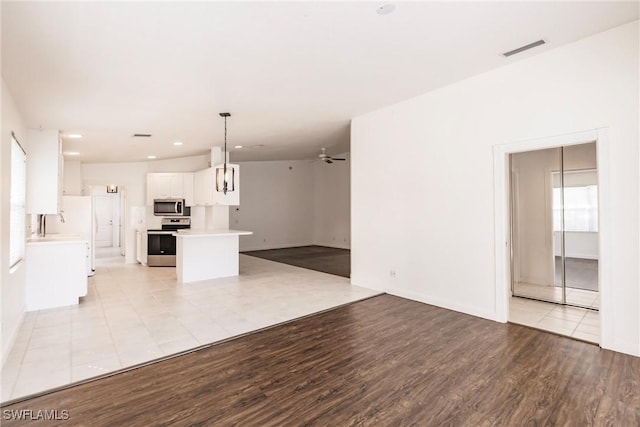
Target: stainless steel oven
(161, 244)
(168, 207)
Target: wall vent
(142, 135)
(523, 48)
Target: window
(580, 208)
(17, 213)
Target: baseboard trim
(438, 302)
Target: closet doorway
(554, 225)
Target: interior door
(581, 242)
(554, 225)
(533, 269)
(103, 211)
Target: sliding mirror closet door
(554, 225)
(534, 270)
(580, 225)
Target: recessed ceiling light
(74, 135)
(71, 153)
(177, 143)
(386, 9)
(151, 157)
(237, 146)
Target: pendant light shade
(225, 174)
(225, 179)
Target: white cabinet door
(158, 187)
(56, 274)
(44, 172)
(176, 186)
(170, 186)
(197, 199)
(202, 187)
(188, 189)
(163, 186)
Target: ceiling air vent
(142, 135)
(523, 48)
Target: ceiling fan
(327, 158)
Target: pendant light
(225, 175)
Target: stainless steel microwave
(168, 207)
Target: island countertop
(194, 232)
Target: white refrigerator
(78, 219)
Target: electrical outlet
(392, 273)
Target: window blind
(17, 235)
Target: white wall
(435, 227)
(276, 203)
(12, 284)
(332, 203)
(72, 178)
(578, 244)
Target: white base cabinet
(56, 273)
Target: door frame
(502, 219)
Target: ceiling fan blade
(334, 158)
(328, 161)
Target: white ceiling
(292, 74)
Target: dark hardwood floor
(385, 361)
(319, 258)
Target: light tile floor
(574, 322)
(133, 314)
(581, 297)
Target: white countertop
(57, 239)
(210, 233)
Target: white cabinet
(203, 187)
(56, 273)
(170, 186)
(44, 172)
(141, 247)
(188, 189)
(205, 193)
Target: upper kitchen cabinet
(44, 172)
(205, 189)
(170, 186)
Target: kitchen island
(207, 254)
